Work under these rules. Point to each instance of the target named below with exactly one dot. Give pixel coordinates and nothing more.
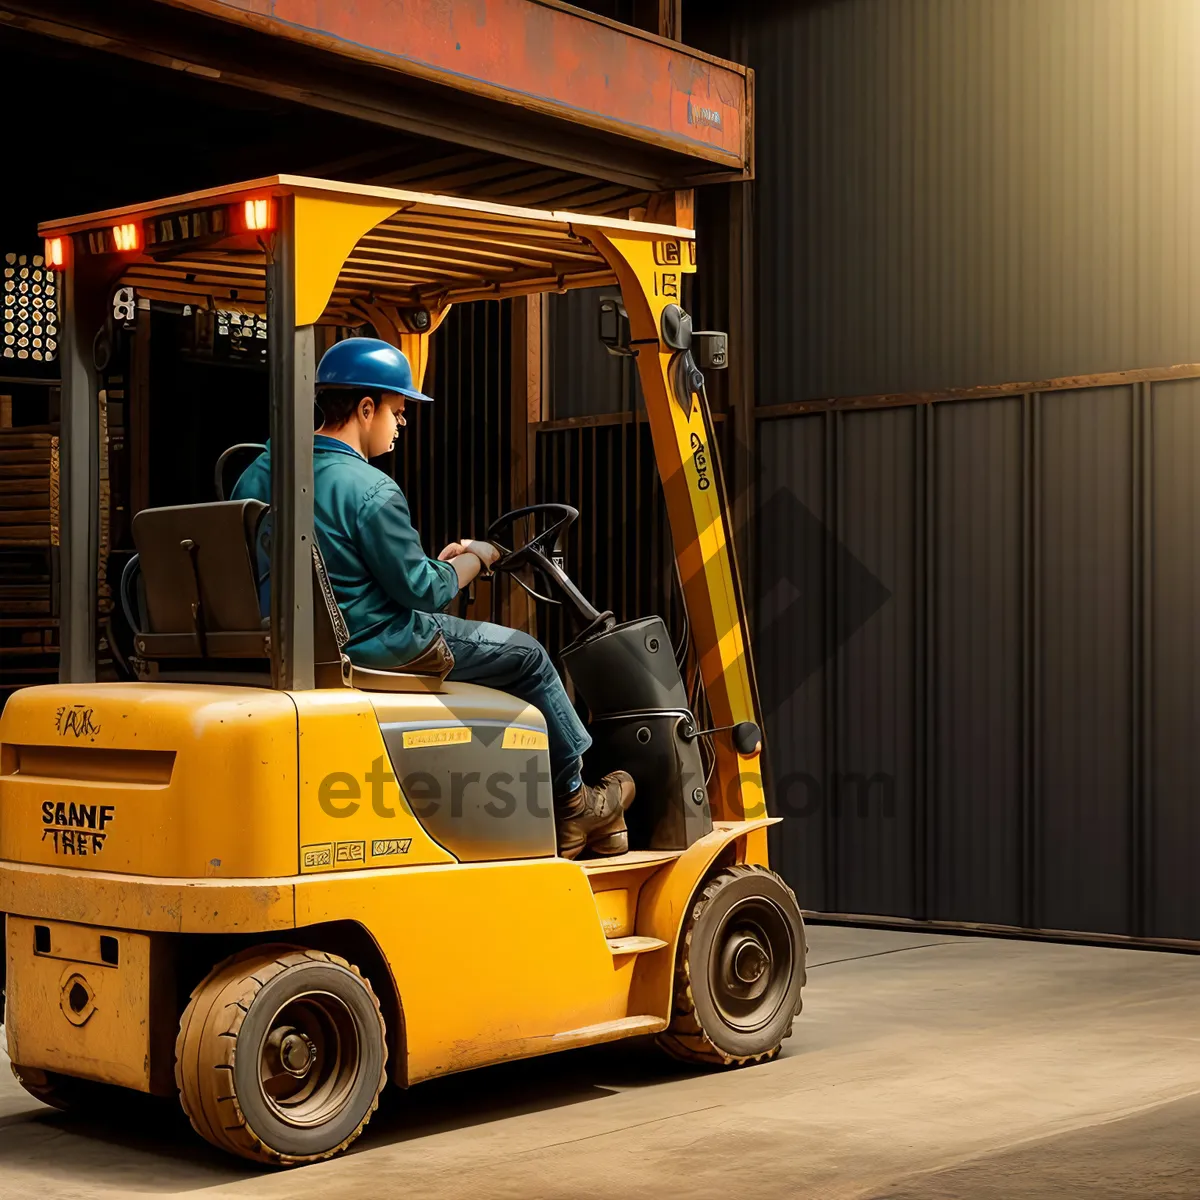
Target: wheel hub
(750, 960)
(309, 1059)
(751, 964)
(297, 1054)
(745, 965)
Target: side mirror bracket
(614, 327)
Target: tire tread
(208, 1031)
(684, 1039)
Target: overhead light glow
(258, 214)
(56, 253)
(125, 237)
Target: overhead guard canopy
(357, 247)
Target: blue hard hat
(368, 363)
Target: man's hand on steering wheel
(487, 554)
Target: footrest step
(634, 945)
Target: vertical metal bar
(832, 422)
(291, 355)
(924, 708)
(587, 442)
(1149, 916)
(636, 434)
(491, 424)
(1140, 840)
(931, 666)
(1133, 787)
(79, 505)
(917, 731)
(138, 417)
(657, 523)
(629, 515)
(444, 519)
(465, 491)
(743, 427)
(424, 468)
(1030, 663)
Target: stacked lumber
(29, 477)
(29, 537)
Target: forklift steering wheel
(537, 553)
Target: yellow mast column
(650, 272)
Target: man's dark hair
(338, 404)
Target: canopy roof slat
(398, 248)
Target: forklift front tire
(739, 972)
(281, 1055)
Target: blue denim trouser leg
(512, 661)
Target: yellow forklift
(269, 880)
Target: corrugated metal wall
(451, 461)
(959, 192)
(583, 379)
(1171, 611)
(977, 619)
(619, 551)
(997, 722)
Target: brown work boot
(595, 817)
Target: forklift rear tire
(281, 1055)
(740, 970)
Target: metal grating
(29, 332)
(450, 461)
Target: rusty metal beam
(641, 79)
(540, 55)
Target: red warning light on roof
(56, 253)
(258, 214)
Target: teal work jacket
(386, 585)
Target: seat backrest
(205, 578)
(198, 571)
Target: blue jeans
(513, 662)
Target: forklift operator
(391, 593)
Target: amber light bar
(259, 214)
(57, 252)
(127, 237)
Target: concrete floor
(924, 1068)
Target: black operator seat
(197, 611)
